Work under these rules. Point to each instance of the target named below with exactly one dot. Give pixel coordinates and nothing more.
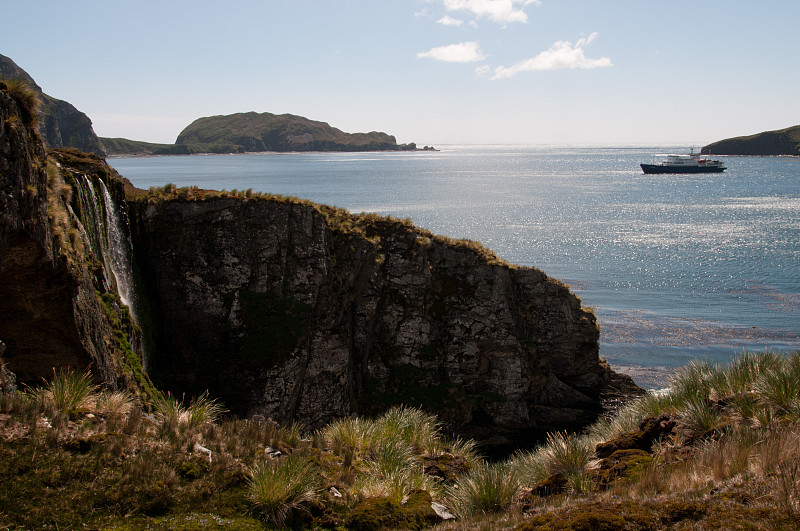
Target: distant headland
(779, 142)
(259, 132)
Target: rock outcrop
(56, 306)
(302, 312)
(60, 123)
(780, 142)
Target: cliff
(60, 123)
(302, 312)
(277, 306)
(780, 142)
(59, 306)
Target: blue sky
(427, 71)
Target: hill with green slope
(253, 131)
(125, 147)
(779, 142)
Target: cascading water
(119, 250)
(105, 231)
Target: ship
(684, 163)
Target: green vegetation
(72, 454)
(278, 487)
(779, 142)
(269, 132)
(27, 98)
(258, 132)
(125, 147)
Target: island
(260, 132)
(779, 142)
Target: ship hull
(662, 168)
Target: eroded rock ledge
(303, 312)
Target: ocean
(676, 267)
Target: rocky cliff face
(303, 312)
(51, 315)
(60, 124)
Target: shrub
(278, 487)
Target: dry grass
(106, 460)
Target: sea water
(676, 267)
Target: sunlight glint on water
(676, 266)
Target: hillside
(255, 132)
(125, 147)
(60, 123)
(286, 132)
(779, 142)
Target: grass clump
(201, 410)
(279, 487)
(68, 391)
(720, 449)
(27, 97)
(487, 488)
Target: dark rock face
(299, 312)
(61, 124)
(50, 316)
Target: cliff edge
(59, 306)
(60, 123)
(302, 312)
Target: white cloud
(483, 71)
(450, 21)
(464, 52)
(501, 11)
(562, 55)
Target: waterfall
(108, 237)
(119, 251)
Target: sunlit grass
(277, 487)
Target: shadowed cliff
(59, 306)
(299, 311)
(277, 306)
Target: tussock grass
(27, 98)
(67, 392)
(201, 410)
(487, 488)
(278, 487)
(732, 456)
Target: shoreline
(204, 154)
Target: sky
(427, 71)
